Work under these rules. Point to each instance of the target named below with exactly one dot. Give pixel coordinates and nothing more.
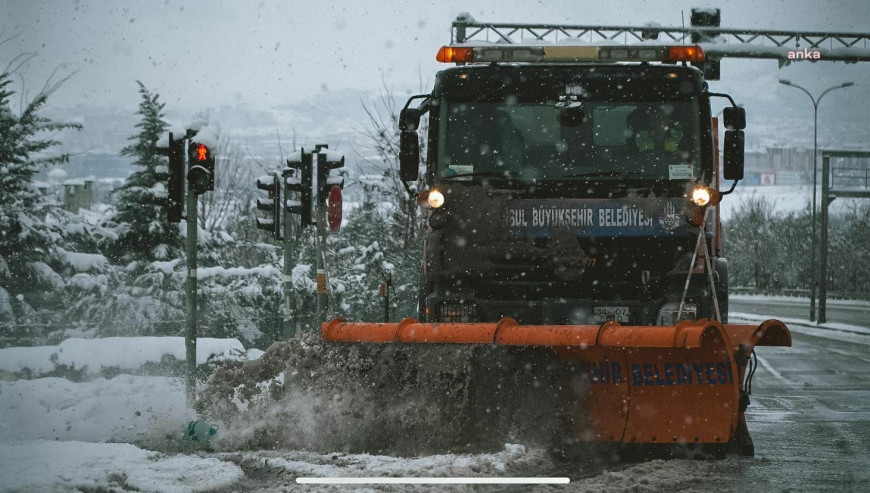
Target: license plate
(605, 313)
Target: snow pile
(124, 408)
(35, 360)
(48, 465)
(386, 398)
(45, 422)
(92, 356)
(512, 460)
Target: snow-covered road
(809, 418)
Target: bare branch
(50, 87)
(15, 64)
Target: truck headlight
(435, 198)
(430, 199)
(702, 196)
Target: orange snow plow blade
(641, 384)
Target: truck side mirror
(409, 156)
(735, 118)
(733, 155)
(409, 119)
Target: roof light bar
(569, 53)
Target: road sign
(334, 212)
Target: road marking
(848, 354)
(460, 480)
(767, 366)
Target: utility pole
(813, 268)
(823, 289)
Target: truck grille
(458, 312)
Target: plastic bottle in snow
(199, 431)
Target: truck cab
(561, 190)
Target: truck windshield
(528, 142)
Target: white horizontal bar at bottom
(387, 480)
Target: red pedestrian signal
(200, 171)
(201, 152)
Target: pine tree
(143, 230)
(30, 232)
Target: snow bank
(125, 353)
(45, 465)
(37, 359)
(798, 300)
(133, 352)
(836, 331)
(124, 408)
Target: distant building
(778, 166)
(45, 188)
(78, 194)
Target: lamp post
(815, 167)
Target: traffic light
(200, 173)
(327, 162)
(298, 178)
(271, 184)
(706, 18)
(175, 185)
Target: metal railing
(717, 42)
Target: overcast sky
(200, 54)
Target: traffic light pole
(190, 335)
(320, 240)
(322, 294)
(288, 330)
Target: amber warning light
(450, 54)
(689, 53)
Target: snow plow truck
(572, 194)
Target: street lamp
(815, 167)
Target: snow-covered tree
(750, 245)
(31, 227)
(140, 222)
(390, 209)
